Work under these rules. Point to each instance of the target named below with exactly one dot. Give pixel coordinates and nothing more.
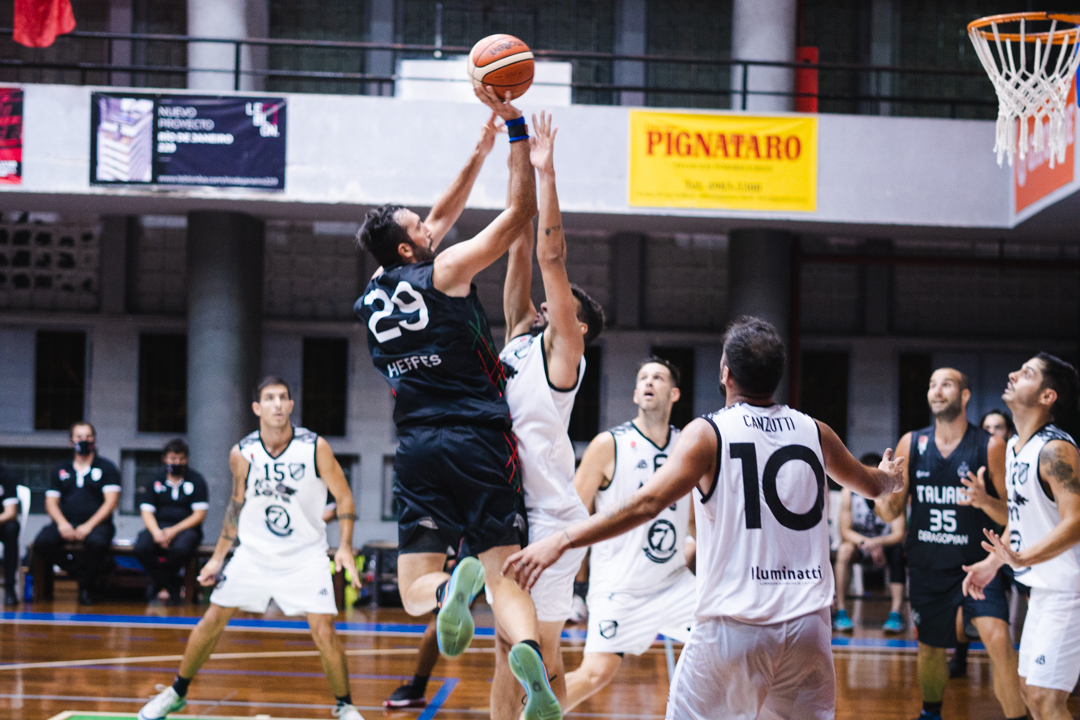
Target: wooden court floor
(57, 657)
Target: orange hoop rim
(1057, 38)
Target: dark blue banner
(187, 140)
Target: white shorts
(737, 671)
(553, 593)
(306, 587)
(626, 623)
(1047, 660)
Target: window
(143, 465)
(325, 385)
(31, 467)
(585, 418)
(162, 383)
(824, 388)
(59, 379)
(915, 371)
(682, 412)
(390, 510)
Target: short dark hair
(672, 367)
(267, 382)
(963, 381)
(755, 355)
(381, 233)
(81, 423)
(1008, 420)
(1060, 377)
(589, 312)
(177, 446)
(872, 459)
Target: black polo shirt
(7, 489)
(173, 503)
(82, 495)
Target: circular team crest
(278, 521)
(662, 538)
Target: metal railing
(92, 58)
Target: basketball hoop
(1029, 90)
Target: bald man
(955, 477)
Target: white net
(1029, 88)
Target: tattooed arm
(692, 464)
(1059, 471)
(230, 526)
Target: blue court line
(440, 697)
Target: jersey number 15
(747, 453)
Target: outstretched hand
(894, 468)
(542, 143)
(978, 577)
(487, 135)
(499, 106)
(527, 564)
(976, 495)
(1001, 550)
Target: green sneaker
(528, 668)
(165, 702)
(454, 624)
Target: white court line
(215, 656)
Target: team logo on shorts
(662, 538)
(296, 470)
(608, 628)
(278, 521)
(1041, 660)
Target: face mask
(176, 469)
(84, 447)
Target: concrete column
(628, 265)
(225, 302)
(759, 272)
(234, 19)
(120, 21)
(630, 40)
(381, 30)
(114, 263)
(884, 47)
(764, 30)
(877, 284)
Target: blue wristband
(516, 121)
(519, 137)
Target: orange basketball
(504, 63)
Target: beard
(422, 254)
(538, 326)
(950, 412)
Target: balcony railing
(154, 60)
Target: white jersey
(281, 520)
(1032, 514)
(650, 557)
(540, 413)
(762, 531)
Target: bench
(44, 576)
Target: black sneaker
(406, 696)
(957, 668)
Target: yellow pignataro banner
(698, 160)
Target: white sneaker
(162, 704)
(347, 712)
(579, 611)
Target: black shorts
(894, 560)
(935, 597)
(457, 483)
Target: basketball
(504, 63)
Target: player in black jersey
(456, 464)
(945, 532)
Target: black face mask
(176, 469)
(84, 447)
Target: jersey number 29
(747, 453)
(407, 300)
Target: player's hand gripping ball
(502, 62)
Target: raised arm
(596, 469)
(447, 209)
(230, 526)
(331, 473)
(456, 266)
(993, 474)
(692, 463)
(565, 343)
(849, 472)
(893, 506)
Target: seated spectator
(173, 514)
(9, 534)
(867, 538)
(83, 493)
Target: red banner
(11, 115)
(1033, 179)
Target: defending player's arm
(869, 482)
(231, 524)
(330, 471)
(518, 308)
(692, 462)
(893, 506)
(977, 496)
(596, 469)
(447, 209)
(456, 266)
(564, 341)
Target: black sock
(1021, 717)
(180, 685)
(961, 652)
(581, 589)
(534, 645)
(440, 591)
(420, 682)
(931, 708)
(345, 699)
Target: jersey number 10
(747, 453)
(407, 300)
